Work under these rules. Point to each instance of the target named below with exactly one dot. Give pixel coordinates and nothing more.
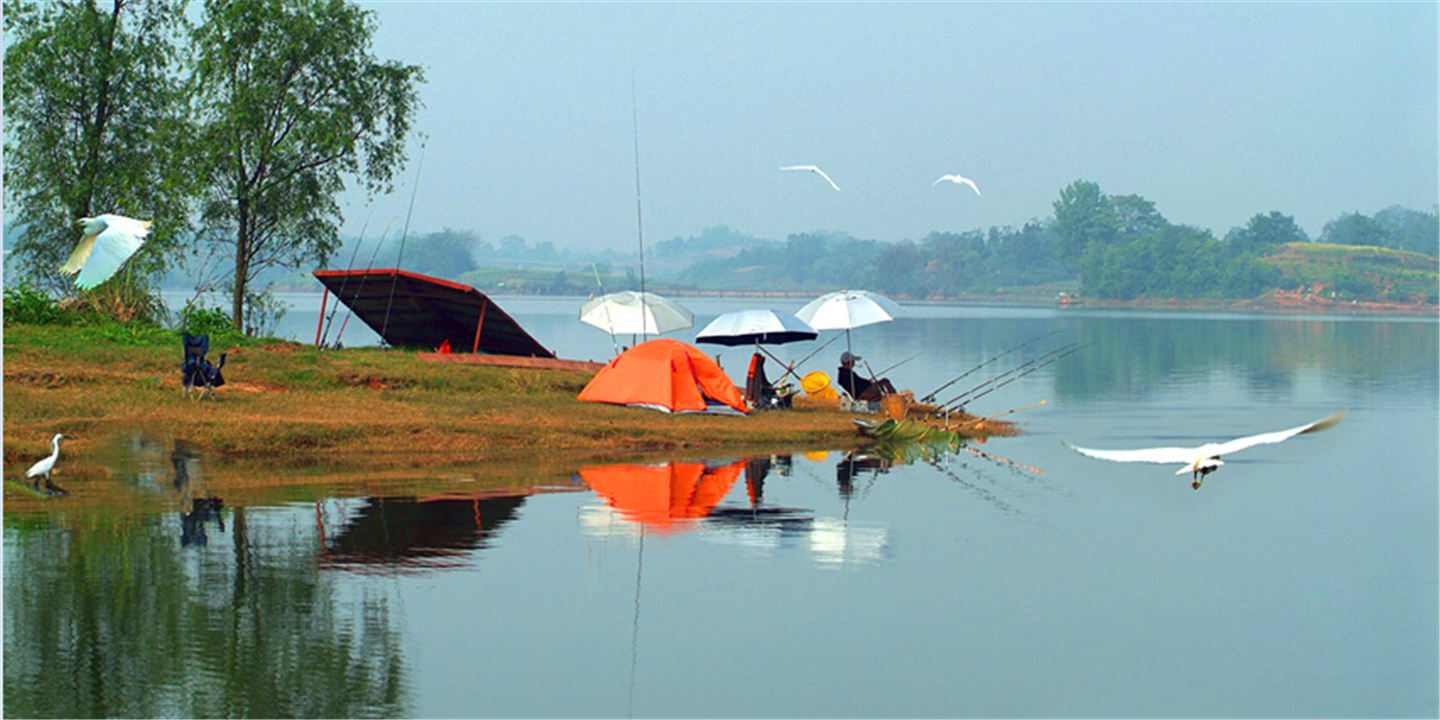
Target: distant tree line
(1115, 247)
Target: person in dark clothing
(758, 389)
(861, 388)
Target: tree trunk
(242, 265)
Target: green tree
(446, 254)
(1353, 229)
(1083, 217)
(1134, 216)
(1263, 232)
(94, 123)
(292, 102)
(897, 269)
(1412, 230)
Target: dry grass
(287, 400)
(354, 413)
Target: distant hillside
(1358, 272)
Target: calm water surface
(1019, 581)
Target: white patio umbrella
(631, 313)
(848, 309)
(761, 327)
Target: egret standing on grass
(44, 467)
(107, 242)
(815, 170)
(1203, 460)
(958, 180)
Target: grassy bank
(289, 406)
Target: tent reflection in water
(664, 497)
(666, 375)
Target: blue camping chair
(211, 377)
(196, 371)
(191, 374)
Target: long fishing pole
(816, 350)
(1007, 374)
(936, 391)
(898, 364)
(404, 235)
(790, 369)
(614, 344)
(1012, 411)
(639, 219)
(350, 267)
(350, 309)
(1027, 372)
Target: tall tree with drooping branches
(292, 104)
(94, 123)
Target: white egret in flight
(958, 180)
(107, 242)
(1203, 460)
(816, 170)
(45, 466)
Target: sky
(1214, 111)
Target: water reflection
(409, 534)
(108, 616)
(198, 506)
(693, 496)
(1143, 355)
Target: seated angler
(859, 387)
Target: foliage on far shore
(1348, 272)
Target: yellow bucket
(817, 384)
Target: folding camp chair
(211, 377)
(192, 366)
(758, 390)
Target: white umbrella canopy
(761, 327)
(631, 313)
(846, 309)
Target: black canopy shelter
(426, 312)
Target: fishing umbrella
(759, 327)
(632, 313)
(848, 309)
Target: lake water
(1299, 581)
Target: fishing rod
(1027, 372)
(1006, 374)
(404, 235)
(898, 364)
(639, 219)
(614, 344)
(936, 391)
(350, 267)
(790, 370)
(1012, 411)
(351, 308)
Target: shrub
(28, 305)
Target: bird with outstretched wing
(1205, 459)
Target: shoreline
(1274, 302)
(286, 406)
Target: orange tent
(663, 497)
(665, 374)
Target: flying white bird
(958, 180)
(45, 466)
(816, 170)
(107, 242)
(1203, 460)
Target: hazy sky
(1213, 111)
